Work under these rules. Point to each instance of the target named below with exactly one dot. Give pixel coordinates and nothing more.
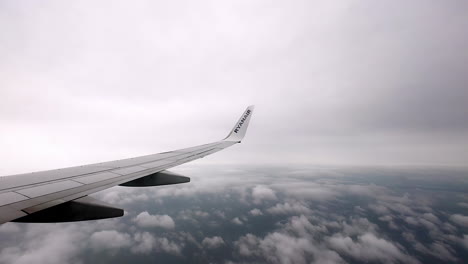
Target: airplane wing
(61, 195)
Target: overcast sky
(340, 82)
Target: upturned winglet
(238, 132)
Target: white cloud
(278, 247)
(201, 214)
(368, 247)
(167, 246)
(409, 237)
(442, 251)
(237, 221)
(459, 219)
(282, 248)
(109, 239)
(358, 226)
(307, 190)
(220, 214)
(260, 193)
(144, 219)
(379, 209)
(248, 245)
(431, 217)
(386, 218)
(213, 242)
(302, 227)
(465, 241)
(145, 242)
(288, 208)
(255, 212)
(295, 242)
(411, 220)
(45, 244)
(9, 228)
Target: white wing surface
(61, 195)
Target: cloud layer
(240, 216)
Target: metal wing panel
(128, 170)
(48, 188)
(27, 179)
(11, 197)
(96, 177)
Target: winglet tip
(240, 128)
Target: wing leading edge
(61, 195)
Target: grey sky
(348, 82)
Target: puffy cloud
(368, 247)
(379, 209)
(187, 237)
(200, 213)
(275, 248)
(213, 242)
(401, 208)
(288, 208)
(296, 241)
(123, 196)
(442, 251)
(255, 212)
(411, 220)
(302, 227)
(436, 249)
(465, 241)
(278, 247)
(220, 214)
(307, 190)
(282, 248)
(45, 244)
(421, 221)
(145, 242)
(110, 239)
(9, 228)
(429, 225)
(248, 245)
(237, 221)
(358, 226)
(386, 218)
(431, 217)
(459, 219)
(64, 243)
(144, 219)
(409, 237)
(260, 193)
(163, 244)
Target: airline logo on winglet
(241, 122)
